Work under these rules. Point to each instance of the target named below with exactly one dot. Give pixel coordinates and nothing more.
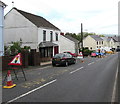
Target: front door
(56, 50)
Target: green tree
(15, 48)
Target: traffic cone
(9, 81)
(80, 55)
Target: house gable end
(14, 19)
(38, 20)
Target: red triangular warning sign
(16, 60)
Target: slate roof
(116, 39)
(37, 20)
(96, 37)
(71, 38)
(2, 4)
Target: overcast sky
(98, 16)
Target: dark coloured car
(63, 59)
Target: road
(91, 81)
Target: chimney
(61, 33)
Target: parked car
(63, 59)
(118, 50)
(93, 54)
(73, 54)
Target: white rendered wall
(18, 27)
(66, 45)
(89, 42)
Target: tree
(16, 47)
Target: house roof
(108, 39)
(2, 4)
(96, 37)
(71, 38)
(37, 20)
(116, 38)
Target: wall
(40, 36)
(1, 31)
(66, 45)
(17, 26)
(89, 42)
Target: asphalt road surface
(95, 80)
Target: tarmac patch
(33, 83)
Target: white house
(116, 41)
(108, 42)
(2, 6)
(35, 31)
(92, 42)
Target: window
(56, 36)
(44, 35)
(102, 42)
(51, 36)
(91, 48)
(97, 43)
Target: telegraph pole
(81, 37)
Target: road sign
(16, 60)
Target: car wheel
(66, 63)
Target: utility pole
(81, 37)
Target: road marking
(31, 91)
(91, 63)
(76, 70)
(114, 89)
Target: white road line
(91, 63)
(76, 70)
(31, 91)
(114, 89)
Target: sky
(97, 16)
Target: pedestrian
(99, 54)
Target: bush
(86, 52)
(15, 48)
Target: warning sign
(16, 60)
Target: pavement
(46, 63)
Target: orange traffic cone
(9, 81)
